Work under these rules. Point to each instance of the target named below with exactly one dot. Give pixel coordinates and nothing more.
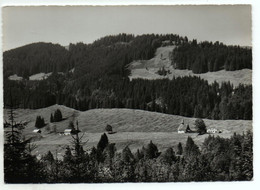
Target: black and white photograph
(127, 94)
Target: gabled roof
(181, 127)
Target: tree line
(187, 96)
(208, 57)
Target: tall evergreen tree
(179, 149)
(103, 142)
(19, 165)
(57, 116)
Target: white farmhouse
(37, 131)
(67, 131)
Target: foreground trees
(218, 159)
(20, 166)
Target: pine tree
(68, 156)
(128, 165)
(191, 149)
(39, 123)
(57, 116)
(78, 161)
(169, 156)
(151, 151)
(19, 165)
(103, 142)
(127, 155)
(51, 119)
(179, 149)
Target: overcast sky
(71, 24)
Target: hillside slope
(134, 127)
(147, 69)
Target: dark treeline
(187, 96)
(218, 159)
(207, 56)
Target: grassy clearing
(147, 69)
(134, 128)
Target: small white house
(37, 131)
(212, 130)
(182, 128)
(67, 131)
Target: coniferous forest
(100, 77)
(96, 75)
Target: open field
(134, 128)
(147, 69)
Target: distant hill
(36, 58)
(110, 55)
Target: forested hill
(111, 54)
(106, 56)
(100, 78)
(35, 58)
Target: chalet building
(67, 131)
(37, 131)
(212, 131)
(71, 131)
(184, 128)
(181, 128)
